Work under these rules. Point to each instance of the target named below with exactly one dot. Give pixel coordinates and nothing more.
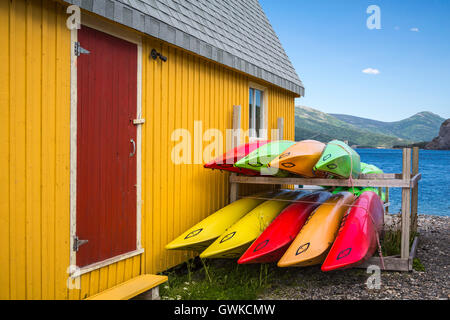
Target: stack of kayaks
(236, 239)
(227, 161)
(274, 241)
(307, 158)
(311, 245)
(337, 229)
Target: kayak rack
(407, 181)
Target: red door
(106, 145)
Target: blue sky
(330, 45)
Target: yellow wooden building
(176, 63)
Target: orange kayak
(312, 244)
(300, 158)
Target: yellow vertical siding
(34, 181)
(35, 151)
(178, 92)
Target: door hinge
(77, 243)
(78, 49)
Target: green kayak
(338, 160)
(370, 169)
(383, 194)
(358, 191)
(354, 190)
(260, 158)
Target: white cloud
(371, 71)
(414, 29)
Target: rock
(441, 142)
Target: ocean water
(434, 187)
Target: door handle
(134, 148)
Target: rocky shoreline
(442, 141)
(433, 283)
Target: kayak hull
(370, 169)
(339, 160)
(300, 158)
(227, 160)
(259, 159)
(276, 239)
(236, 239)
(311, 245)
(357, 238)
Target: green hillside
(423, 126)
(317, 125)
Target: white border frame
(265, 107)
(132, 37)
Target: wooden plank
(380, 176)
(387, 199)
(330, 182)
(62, 154)
(406, 204)
(393, 263)
(17, 151)
(130, 288)
(415, 188)
(5, 247)
(234, 191)
(280, 126)
(234, 187)
(236, 126)
(390, 263)
(48, 157)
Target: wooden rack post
(415, 190)
(280, 127)
(406, 204)
(402, 180)
(387, 199)
(236, 136)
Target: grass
(224, 280)
(417, 265)
(391, 242)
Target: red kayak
(278, 236)
(356, 240)
(228, 159)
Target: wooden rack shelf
(407, 181)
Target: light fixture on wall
(155, 54)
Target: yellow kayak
(200, 236)
(300, 158)
(312, 244)
(235, 240)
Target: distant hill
(423, 126)
(314, 124)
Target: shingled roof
(235, 33)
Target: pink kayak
(278, 236)
(228, 159)
(357, 237)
